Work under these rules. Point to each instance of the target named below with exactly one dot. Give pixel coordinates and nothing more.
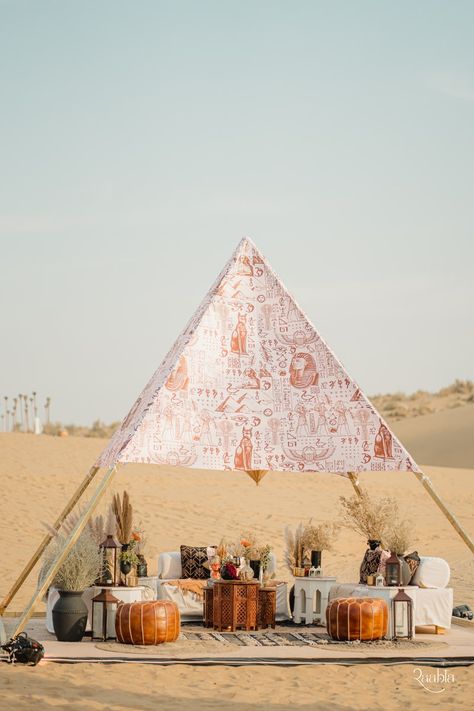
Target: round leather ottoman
(147, 622)
(363, 618)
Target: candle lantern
(402, 615)
(109, 549)
(393, 571)
(104, 609)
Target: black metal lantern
(109, 548)
(393, 571)
(104, 609)
(402, 615)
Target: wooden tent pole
(426, 481)
(46, 540)
(355, 483)
(70, 541)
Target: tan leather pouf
(148, 622)
(363, 618)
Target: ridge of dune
(443, 438)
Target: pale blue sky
(139, 141)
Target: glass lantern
(104, 609)
(109, 549)
(393, 571)
(402, 616)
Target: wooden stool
(266, 608)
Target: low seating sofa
(190, 604)
(432, 599)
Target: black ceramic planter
(255, 565)
(69, 616)
(316, 559)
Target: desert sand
(38, 475)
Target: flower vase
(316, 559)
(255, 565)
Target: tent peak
(250, 385)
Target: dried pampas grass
(371, 518)
(124, 517)
(294, 547)
(80, 569)
(319, 537)
(399, 536)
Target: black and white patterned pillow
(192, 562)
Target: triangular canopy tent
(248, 385)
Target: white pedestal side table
(311, 599)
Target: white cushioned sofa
(432, 600)
(189, 604)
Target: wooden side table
(266, 608)
(235, 605)
(208, 606)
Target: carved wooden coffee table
(235, 605)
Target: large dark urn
(69, 616)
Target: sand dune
(442, 438)
(177, 506)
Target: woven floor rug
(290, 639)
(205, 643)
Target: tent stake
(425, 480)
(46, 540)
(355, 483)
(70, 541)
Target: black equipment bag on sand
(23, 650)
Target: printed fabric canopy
(250, 385)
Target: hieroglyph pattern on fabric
(250, 384)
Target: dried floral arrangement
(371, 518)
(319, 537)
(399, 536)
(294, 547)
(124, 517)
(81, 567)
(264, 556)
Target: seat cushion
(169, 565)
(192, 562)
(432, 573)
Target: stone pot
(70, 616)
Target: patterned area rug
(222, 643)
(292, 639)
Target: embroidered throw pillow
(413, 560)
(192, 562)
